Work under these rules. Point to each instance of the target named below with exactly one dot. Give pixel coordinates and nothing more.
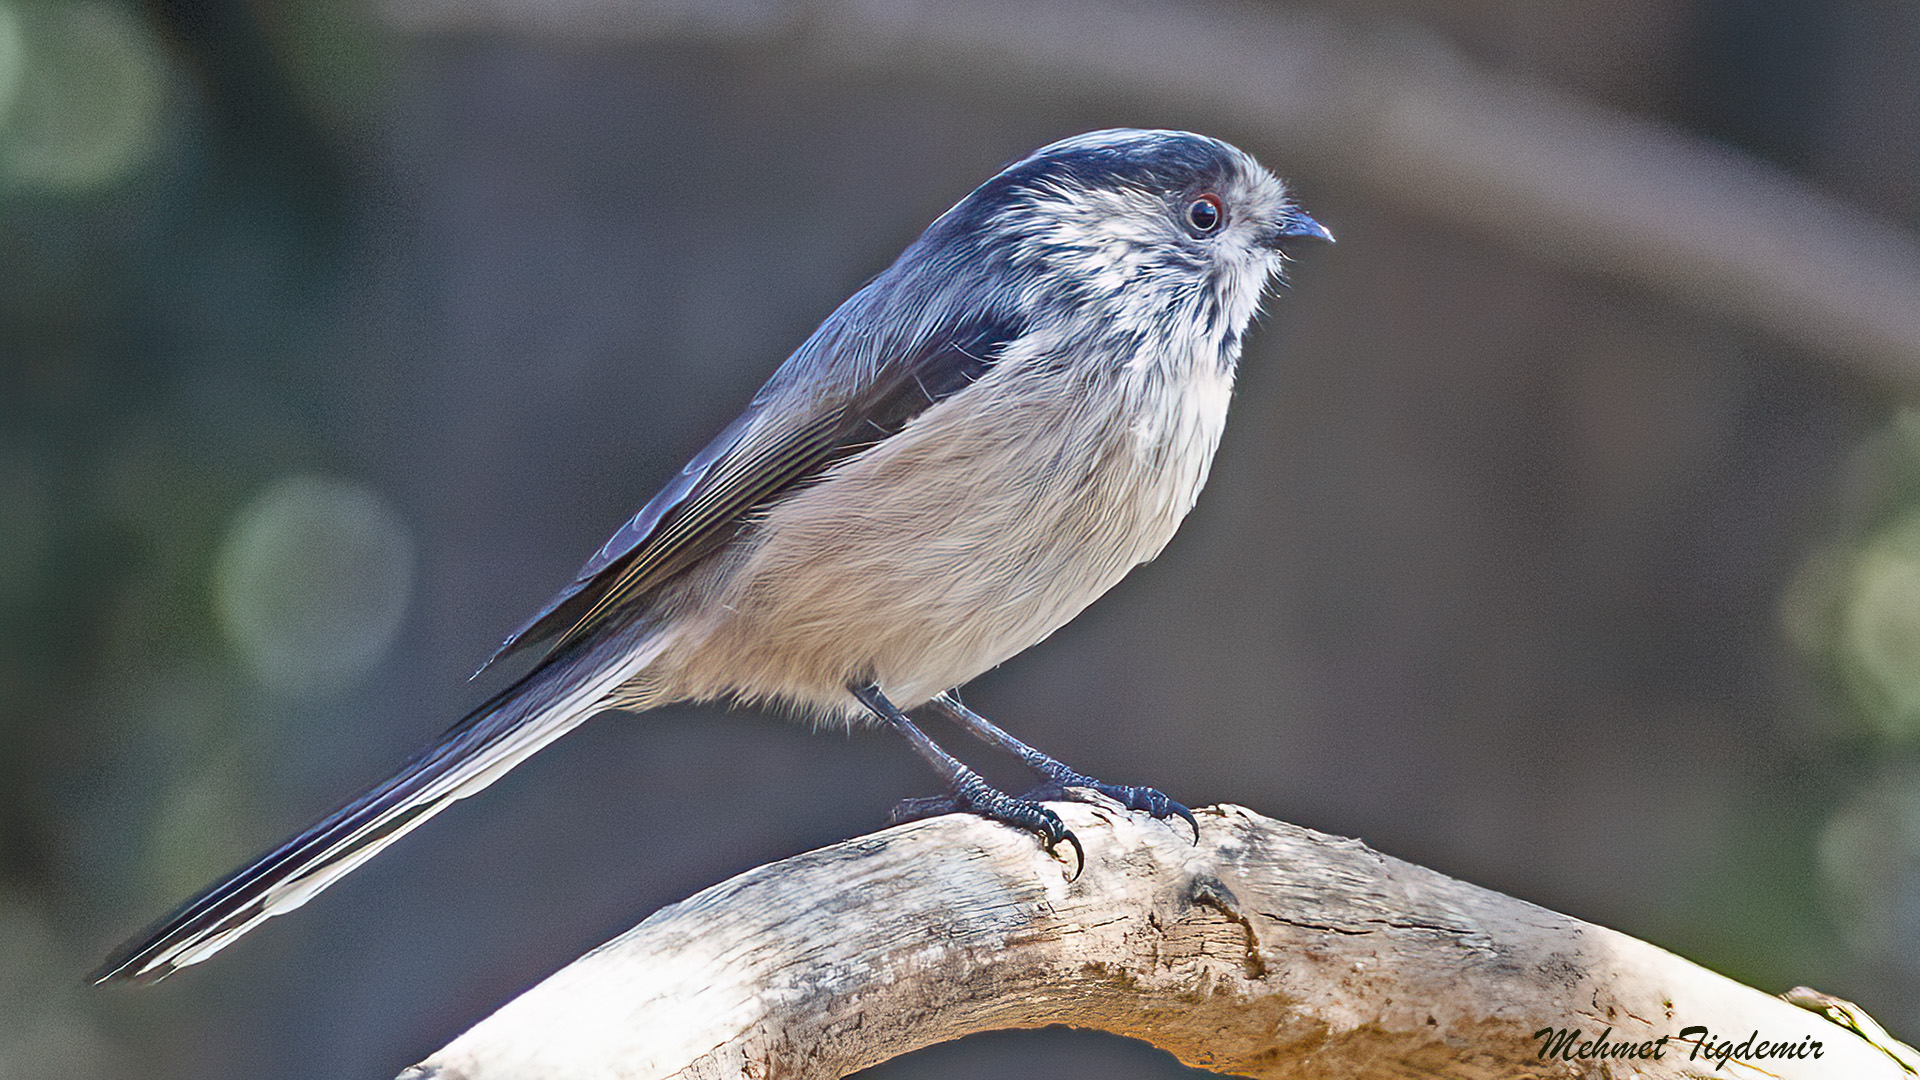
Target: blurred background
(1566, 537)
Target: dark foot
(1059, 776)
(1060, 787)
(972, 795)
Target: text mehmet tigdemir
(1568, 1044)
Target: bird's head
(1143, 221)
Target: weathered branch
(1265, 950)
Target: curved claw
(1161, 808)
(970, 794)
(1037, 819)
(1079, 853)
(1152, 801)
(1186, 815)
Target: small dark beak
(1295, 227)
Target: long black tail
(543, 705)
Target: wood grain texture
(1265, 950)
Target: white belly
(945, 550)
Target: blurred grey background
(1566, 536)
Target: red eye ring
(1206, 212)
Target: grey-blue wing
(602, 641)
(760, 456)
(685, 521)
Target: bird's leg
(969, 791)
(1059, 775)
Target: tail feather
(545, 704)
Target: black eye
(1206, 213)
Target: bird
(962, 457)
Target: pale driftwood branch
(1391, 113)
(1265, 950)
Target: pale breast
(950, 547)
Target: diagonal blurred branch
(1398, 119)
